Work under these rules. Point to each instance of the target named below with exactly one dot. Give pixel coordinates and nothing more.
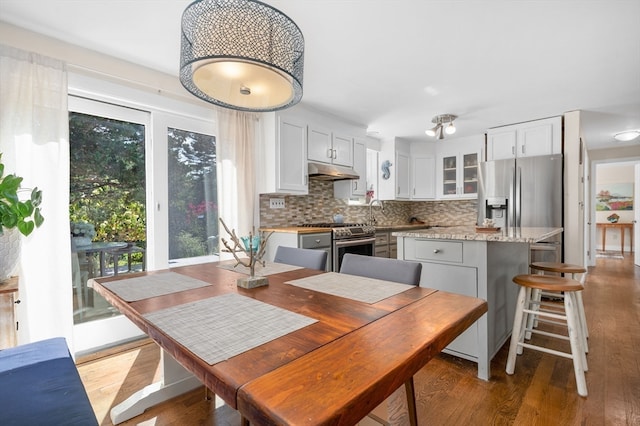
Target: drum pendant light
(241, 54)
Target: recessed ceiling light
(627, 136)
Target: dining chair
(307, 258)
(400, 271)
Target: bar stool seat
(528, 306)
(558, 267)
(563, 269)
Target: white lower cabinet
(482, 269)
(315, 241)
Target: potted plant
(17, 214)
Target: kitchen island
(480, 264)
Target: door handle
(436, 251)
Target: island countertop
(469, 233)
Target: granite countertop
(469, 233)
(296, 230)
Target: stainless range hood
(321, 171)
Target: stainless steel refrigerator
(524, 192)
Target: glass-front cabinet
(470, 174)
(458, 175)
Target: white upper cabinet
(423, 177)
(457, 168)
(394, 182)
(356, 188)
(423, 171)
(284, 169)
(326, 146)
(530, 139)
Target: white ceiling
(391, 65)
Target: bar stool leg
(575, 339)
(518, 330)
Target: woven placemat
(154, 285)
(218, 328)
(269, 268)
(362, 289)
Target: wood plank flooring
(541, 392)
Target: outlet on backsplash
(276, 203)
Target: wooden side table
(8, 300)
(622, 226)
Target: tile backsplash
(320, 206)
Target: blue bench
(40, 385)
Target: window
(193, 198)
(107, 199)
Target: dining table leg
(175, 381)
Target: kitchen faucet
(372, 220)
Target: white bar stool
(527, 306)
(563, 269)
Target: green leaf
(25, 209)
(26, 227)
(38, 218)
(36, 197)
(9, 220)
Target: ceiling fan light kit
(241, 54)
(439, 129)
(627, 135)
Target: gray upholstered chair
(400, 271)
(307, 258)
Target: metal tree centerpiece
(253, 247)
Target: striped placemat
(154, 285)
(270, 268)
(218, 328)
(362, 289)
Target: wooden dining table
(334, 371)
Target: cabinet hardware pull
(335, 153)
(522, 149)
(329, 153)
(436, 251)
(318, 241)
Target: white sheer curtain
(237, 136)
(34, 131)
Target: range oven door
(362, 246)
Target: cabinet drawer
(382, 251)
(438, 250)
(382, 238)
(315, 240)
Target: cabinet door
(470, 174)
(8, 337)
(342, 150)
(449, 185)
(360, 166)
(402, 175)
(423, 172)
(460, 280)
(319, 144)
(535, 139)
(291, 169)
(501, 143)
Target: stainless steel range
(356, 238)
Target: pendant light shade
(241, 54)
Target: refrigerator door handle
(511, 201)
(518, 198)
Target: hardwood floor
(541, 392)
